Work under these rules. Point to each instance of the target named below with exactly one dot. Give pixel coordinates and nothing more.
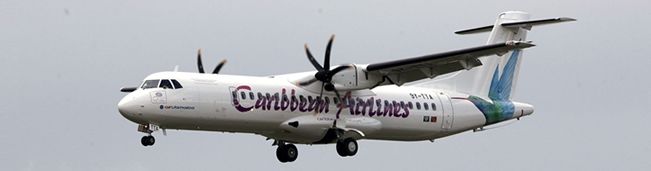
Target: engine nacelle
(356, 78)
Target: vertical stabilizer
(497, 77)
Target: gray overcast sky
(63, 61)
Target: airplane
(411, 99)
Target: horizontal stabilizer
(531, 23)
(523, 24)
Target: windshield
(149, 84)
(165, 84)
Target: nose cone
(127, 106)
(523, 108)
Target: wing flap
(429, 66)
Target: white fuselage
(264, 105)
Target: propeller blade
(340, 102)
(128, 89)
(320, 98)
(219, 67)
(326, 60)
(199, 64)
(322, 85)
(312, 60)
(308, 82)
(339, 69)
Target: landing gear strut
(147, 140)
(286, 152)
(347, 147)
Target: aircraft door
(447, 110)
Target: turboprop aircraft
(342, 104)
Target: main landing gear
(286, 152)
(347, 147)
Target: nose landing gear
(147, 140)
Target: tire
(147, 140)
(280, 154)
(340, 150)
(291, 152)
(143, 141)
(347, 147)
(287, 153)
(152, 140)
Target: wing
(429, 66)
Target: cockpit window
(165, 84)
(149, 84)
(177, 85)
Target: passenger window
(433, 106)
(234, 94)
(243, 95)
(336, 100)
(165, 84)
(309, 98)
(418, 105)
(268, 96)
(425, 106)
(150, 84)
(302, 98)
(177, 85)
(378, 102)
(251, 95)
(411, 105)
(386, 103)
(259, 95)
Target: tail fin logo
(500, 88)
(500, 108)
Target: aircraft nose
(127, 106)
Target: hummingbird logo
(500, 107)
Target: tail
(496, 79)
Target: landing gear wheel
(287, 153)
(347, 147)
(147, 140)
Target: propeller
(128, 89)
(324, 73)
(200, 64)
